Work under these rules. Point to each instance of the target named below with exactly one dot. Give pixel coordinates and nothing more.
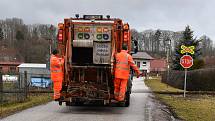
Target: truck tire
(127, 99)
(60, 103)
(128, 92)
(79, 103)
(74, 103)
(68, 103)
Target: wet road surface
(143, 107)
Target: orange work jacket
(123, 63)
(56, 68)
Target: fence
(17, 87)
(197, 80)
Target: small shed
(142, 60)
(35, 72)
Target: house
(9, 60)
(158, 65)
(37, 74)
(7, 67)
(142, 60)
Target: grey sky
(141, 14)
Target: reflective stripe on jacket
(56, 68)
(123, 63)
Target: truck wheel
(79, 103)
(60, 103)
(127, 99)
(68, 103)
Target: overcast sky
(141, 14)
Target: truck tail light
(126, 35)
(126, 27)
(60, 35)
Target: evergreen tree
(187, 40)
(19, 35)
(1, 34)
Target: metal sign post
(185, 82)
(186, 62)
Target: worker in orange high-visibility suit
(123, 63)
(57, 74)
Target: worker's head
(124, 47)
(55, 52)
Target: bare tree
(29, 40)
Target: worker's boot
(114, 101)
(57, 99)
(121, 103)
(61, 98)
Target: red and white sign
(186, 61)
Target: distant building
(142, 60)
(9, 67)
(9, 60)
(158, 65)
(37, 74)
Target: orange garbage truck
(89, 45)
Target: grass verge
(33, 100)
(191, 108)
(156, 86)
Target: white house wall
(143, 67)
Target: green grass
(9, 85)
(191, 108)
(10, 108)
(156, 86)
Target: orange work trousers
(57, 89)
(120, 86)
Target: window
(12, 69)
(1, 69)
(138, 64)
(144, 63)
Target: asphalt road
(142, 108)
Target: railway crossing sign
(189, 49)
(186, 61)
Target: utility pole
(1, 88)
(50, 52)
(1, 92)
(50, 46)
(167, 57)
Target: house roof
(10, 63)
(32, 65)
(142, 55)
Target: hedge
(197, 80)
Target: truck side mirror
(134, 46)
